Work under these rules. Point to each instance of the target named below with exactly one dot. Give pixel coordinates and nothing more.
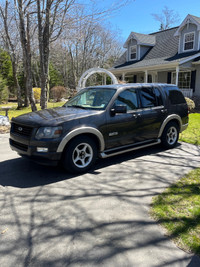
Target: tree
(167, 18)
(24, 28)
(51, 18)
(10, 41)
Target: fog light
(42, 149)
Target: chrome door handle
(136, 115)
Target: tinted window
(91, 98)
(148, 98)
(158, 97)
(128, 98)
(176, 97)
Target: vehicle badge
(20, 129)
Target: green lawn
(177, 209)
(14, 113)
(192, 134)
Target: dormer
(189, 34)
(138, 45)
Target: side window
(176, 97)
(158, 95)
(128, 98)
(148, 98)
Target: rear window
(176, 97)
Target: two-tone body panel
(134, 116)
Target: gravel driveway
(50, 218)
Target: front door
(124, 128)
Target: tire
(170, 135)
(80, 155)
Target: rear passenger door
(153, 112)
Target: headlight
(48, 132)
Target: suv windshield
(91, 98)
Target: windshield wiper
(77, 106)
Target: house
(168, 56)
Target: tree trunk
(16, 83)
(25, 42)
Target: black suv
(101, 121)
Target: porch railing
(187, 92)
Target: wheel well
(90, 135)
(175, 121)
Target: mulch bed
(4, 129)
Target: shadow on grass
(177, 209)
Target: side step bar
(120, 150)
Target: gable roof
(166, 46)
(142, 39)
(188, 19)
(165, 51)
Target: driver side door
(124, 128)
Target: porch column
(123, 76)
(146, 76)
(154, 76)
(177, 74)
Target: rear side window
(176, 97)
(148, 98)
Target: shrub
(190, 103)
(58, 92)
(3, 91)
(37, 94)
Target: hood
(54, 116)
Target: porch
(184, 78)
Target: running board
(109, 153)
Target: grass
(13, 112)
(192, 134)
(178, 210)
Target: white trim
(177, 76)
(190, 58)
(192, 20)
(188, 50)
(179, 45)
(132, 59)
(131, 36)
(199, 41)
(138, 69)
(139, 52)
(146, 76)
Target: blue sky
(137, 15)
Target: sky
(137, 16)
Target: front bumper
(28, 148)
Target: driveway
(51, 218)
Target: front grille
(21, 129)
(19, 145)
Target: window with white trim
(184, 79)
(133, 52)
(189, 41)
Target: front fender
(79, 131)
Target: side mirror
(118, 109)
